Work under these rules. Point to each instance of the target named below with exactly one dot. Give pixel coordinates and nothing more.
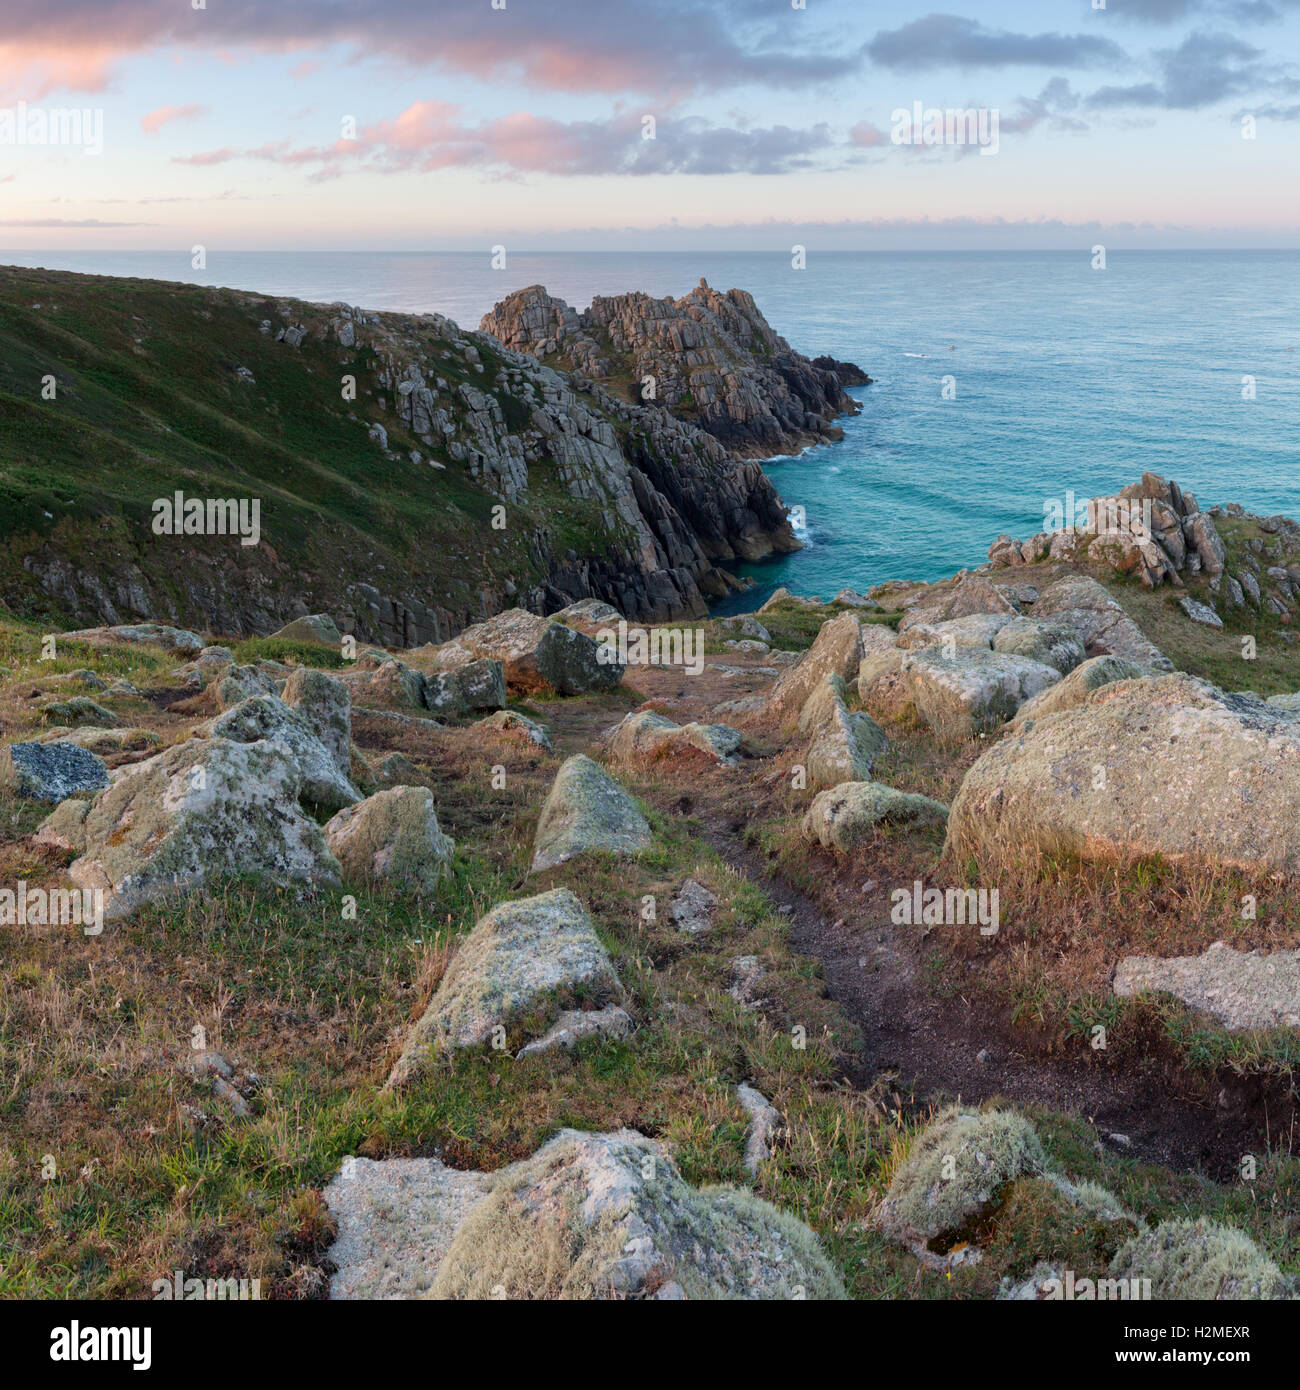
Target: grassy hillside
(149, 399)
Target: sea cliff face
(413, 477)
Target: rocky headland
(413, 477)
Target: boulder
(319, 628)
(851, 812)
(586, 811)
(325, 706)
(971, 596)
(608, 1216)
(78, 712)
(516, 725)
(955, 1169)
(1050, 643)
(971, 690)
(1079, 603)
(240, 683)
(170, 639)
(65, 827)
(838, 650)
(202, 810)
(577, 1025)
(844, 743)
(647, 734)
(1199, 1260)
(746, 625)
(322, 785)
(465, 690)
(1073, 690)
(973, 630)
(391, 684)
(392, 837)
(1242, 989)
(1133, 771)
(589, 615)
(1200, 612)
(523, 965)
(536, 654)
(693, 908)
(50, 772)
(104, 741)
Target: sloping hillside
(489, 480)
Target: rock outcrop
(1133, 769)
(51, 772)
(1242, 989)
(199, 811)
(709, 357)
(647, 734)
(589, 1216)
(536, 654)
(523, 965)
(586, 811)
(392, 837)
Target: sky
(428, 125)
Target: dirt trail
(944, 1048)
(951, 1048)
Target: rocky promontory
(708, 357)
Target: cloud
(670, 48)
(1203, 69)
(431, 135)
(165, 115)
(950, 41)
(68, 222)
(867, 136)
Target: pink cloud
(165, 115)
(866, 135)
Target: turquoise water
(1067, 379)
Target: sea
(1005, 385)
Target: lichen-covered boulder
(605, 1216)
(390, 684)
(1051, 643)
(78, 712)
(104, 741)
(1242, 989)
(838, 651)
(201, 810)
(1079, 603)
(65, 827)
(469, 689)
(1201, 1259)
(1073, 690)
(972, 630)
(844, 743)
(647, 734)
(316, 627)
(1133, 772)
(536, 654)
(516, 725)
(851, 812)
(589, 615)
(325, 705)
(50, 771)
(586, 810)
(523, 965)
(955, 1169)
(966, 691)
(321, 783)
(392, 836)
(240, 683)
(171, 639)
